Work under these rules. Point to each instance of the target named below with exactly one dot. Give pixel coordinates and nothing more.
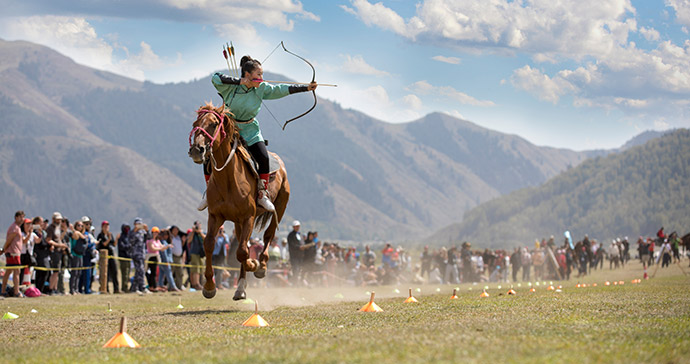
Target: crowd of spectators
(144, 260)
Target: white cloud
(76, 38)
(650, 34)
(425, 88)
(451, 60)
(609, 72)
(571, 29)
(413, 102)
(682, 8)
(420, 87)
(463, 98)
(537, 83)
(661, 124)
(358, 65)
(271, 13)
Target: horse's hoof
(256, 265)
(239, 295)
(260, 273)
(209, 294)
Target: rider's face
(257, 74)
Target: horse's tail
(262, 221)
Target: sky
(580, 74)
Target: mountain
(114, 148)
(632, 193)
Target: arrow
(293, 83)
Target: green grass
(647, 322)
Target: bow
(313, 78)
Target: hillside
(631, 193)
(352, 177)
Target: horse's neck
(231, 175)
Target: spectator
(90, 257)
(232, 259)
(78, 247)
(295, 243)
(27, 255)
(107, 242)
(124, 252)
(369, 257)
(42, 253)
(137, 238)
(516, 262)
(177, 255)
(426, 259)
(196, 251)
(165, 273)
(12, 251)
(55, 234)
(219, 255)
(153, 248)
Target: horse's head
(208, 129)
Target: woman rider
(243, 96)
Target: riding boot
(264, 200)
(204, 204)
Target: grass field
(647, 322)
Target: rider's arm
(221, 79)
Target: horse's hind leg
(214, 223)
(242, 233)
(281, 204)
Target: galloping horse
(232, 191)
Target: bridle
(220, 132)
(220, 128)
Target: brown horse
(231, 192)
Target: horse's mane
(241, 150)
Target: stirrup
(203, 204)
(265, 202)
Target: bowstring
(262, 101)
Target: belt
(244, 121)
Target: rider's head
(251, 68)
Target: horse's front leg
(242, 233)
(214, 223)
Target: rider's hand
(312, 86)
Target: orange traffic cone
(371, 306)
(621, 282)
(532, 290)
(550, 288)
(27, 277)
(410, 299)
(511, 291)
(607, 283)
(255, 320)
(454, 296)
(484, 294)
(122, 339)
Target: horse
(231, 192)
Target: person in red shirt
(12, 251)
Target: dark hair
(248, 64)
(19, 213)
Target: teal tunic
(245, 103)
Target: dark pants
(42, 275)
(260, 154)
(139, 266)
(151, 272)
(86, 279)
(25, 259)
(74, 274)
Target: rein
(220, 131)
